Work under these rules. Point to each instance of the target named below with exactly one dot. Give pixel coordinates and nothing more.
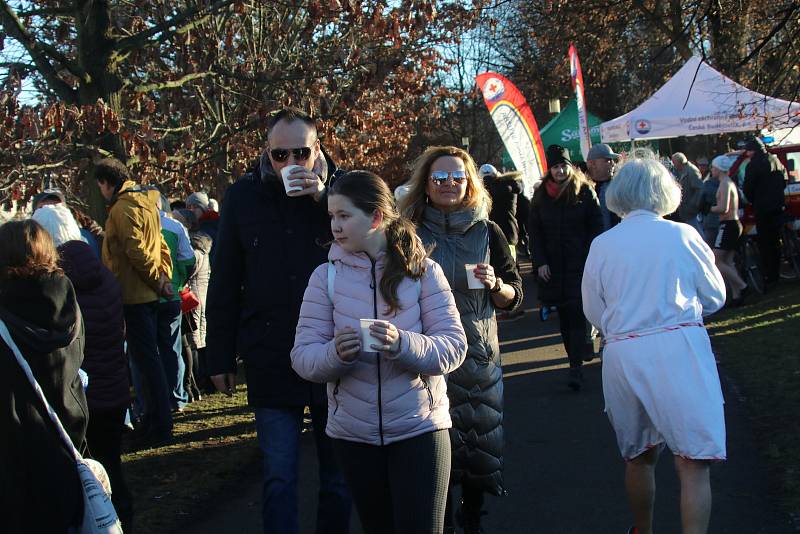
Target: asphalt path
(563, 472)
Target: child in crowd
(388, 411)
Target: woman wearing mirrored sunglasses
(450, 207)
(565, 216)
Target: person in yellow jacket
(135, 251)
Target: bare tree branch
(778, 27)
(39, 52)
(180, 23)
(171, 84)
(678, 36)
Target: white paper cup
(472, 280)
(286, 175)
(367, 338)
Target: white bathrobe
(647, 284)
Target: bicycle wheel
(751, 268)
(791, 250)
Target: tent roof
(699, 100)
(563, 130)
(569, 118)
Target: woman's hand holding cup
(485, 273)
(348, 344)
(387, 334)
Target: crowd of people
(108, 301)
(378, 312)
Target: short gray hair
(643, 183)
(680, 157)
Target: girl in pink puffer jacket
(388, 412)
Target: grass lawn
(215, 451)
(758, 346)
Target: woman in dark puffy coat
(100, 298)
(449, 205)
(565, 217)
(39, 486)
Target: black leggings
(574, 331)
(398, 488)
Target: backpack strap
(331, 280)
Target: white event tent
(699, 100)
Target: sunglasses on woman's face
(444, 177)
(282, 154)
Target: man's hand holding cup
(299, 181)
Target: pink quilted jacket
(379, 399)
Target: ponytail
(405, 257)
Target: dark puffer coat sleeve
(504, 265)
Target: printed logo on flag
(643, 126)
(493, 89)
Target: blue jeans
(279, 439)
(170, 348)
(141, 334)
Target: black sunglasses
(282, 154)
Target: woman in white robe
(647, 285)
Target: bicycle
(790, 248)
(748, 263)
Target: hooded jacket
(39, 481)
(267, 246)
(379, 399)
(133, 248)
(100, 299)
(765, 181)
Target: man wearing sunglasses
(269, 242)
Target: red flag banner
(514, 121)
(577, 84)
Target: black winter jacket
(475, 389)
(504, 191)
(561, 234)
(764, 183)
(39, 486)
(266, 249)
(100, 298)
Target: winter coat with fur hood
(380, 399)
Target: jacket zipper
(335, 398)
(428, 389)
(374, 287)
(446, 236)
